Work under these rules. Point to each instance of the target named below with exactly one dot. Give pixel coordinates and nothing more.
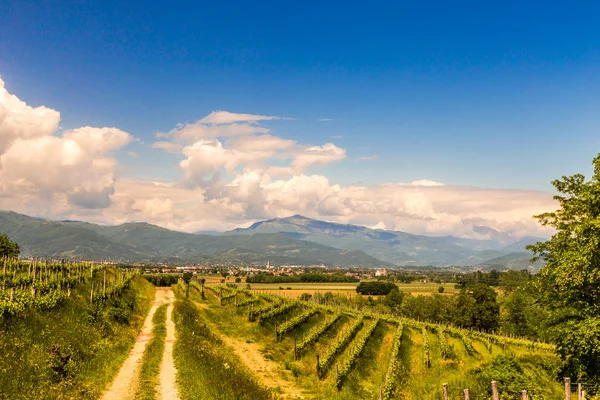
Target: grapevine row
(276, 310)
(292, 323)
(317, 331)
(338, 346)
(426, 349)
(446, 350)
(354, 354)
(393, 365)
(255, 313)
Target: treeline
(163, 279)
(508, 280)
(305, 277)
(375, 288)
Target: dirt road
(168, 387)
(125, 384)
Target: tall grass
(149, 374)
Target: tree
(394, 300)
(187, 277)
(478, 308)
(569, 283)
(8, 247)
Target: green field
(294, 289)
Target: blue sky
(492, 95)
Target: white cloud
(98, 140)
(133, 154)
(39, 168)
(324, 119)
(18, 120)
(225, 117)
(426, 182)
(169, 147)
(318, 156)
(199, 130)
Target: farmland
(295, 289)
(355, 349)
(110, 334)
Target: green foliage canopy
(569, 283)
(376, 288)
(8, 247)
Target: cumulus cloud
(317, 156)
(20, 121)
(223, 143)
(98, 140)
(36, 166)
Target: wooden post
(12, 294)
(583, 395)
(495, 395)
(524, 395)
(567, 388)
(467, 395)
(579, 391)
(318, 374)
(380, 393)
(445, 391)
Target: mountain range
(401, 248)
(293, 240)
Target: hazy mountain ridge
(396, 247)
(147, 242)
(293, 240)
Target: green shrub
(376, 288)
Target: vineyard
(43, 285)
(334, 352)
(66, 326)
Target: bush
(379, 288)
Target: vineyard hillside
(330, 352)
(66, 328)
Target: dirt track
(125, 384)
(266, 371)
(168, 387)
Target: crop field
(323, 352)
(295, 289)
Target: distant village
(288, 270)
